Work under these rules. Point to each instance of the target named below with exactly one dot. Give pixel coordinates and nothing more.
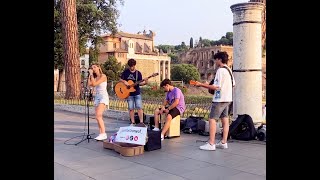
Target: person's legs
(216, 110)
(156, 119)
(171, 114)
(212, 130)
(130, 101)
(99, 112)
(138, 105)
(166, 125)
(225, 126)
(100, 107)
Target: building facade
(202, 58)
(124, 46)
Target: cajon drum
(174, 129)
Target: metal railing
(199, 107)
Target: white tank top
(101, 88)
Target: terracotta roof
(123, 34)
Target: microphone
(88, 72)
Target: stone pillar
(247, 69)
(163, 70)
(159, 71)
(169, 70)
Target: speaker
(137, 120)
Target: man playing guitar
(134, 100)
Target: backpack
(191, 124)
(242, 128)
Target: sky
(175, 21)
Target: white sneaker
(208, 147)
(133, 124)
(162, 137)
(101, 137)
(156, 129)
(222, 146)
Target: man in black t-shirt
(134, 100)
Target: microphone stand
(87, 97)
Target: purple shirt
(176, 94)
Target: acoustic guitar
(123, 91)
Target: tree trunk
(71, 48)
(59, 88)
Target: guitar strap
(136, 75)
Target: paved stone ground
(179, 158)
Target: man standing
(222, 98)
(134, 100)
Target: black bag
(261, 132)
(152, 123)
(182, 124)
(154, 140)
(191, 124)
(242, 128)
(136, 118)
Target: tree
(224, 41)
(206, 42)
(165, 48)
(58, 45)
(94, 17)
(184, 72)
(174, 58)
(200, 42)
(112, 68)
(229, 35)
(71, 48)
(93, 55)
(191, 42)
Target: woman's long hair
(100, 70)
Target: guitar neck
(138, 82)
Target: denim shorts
(219, 110)
(101, 98)
(134, 102)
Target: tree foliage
(94, 17)
(165, 48)
(112, 68)
(174, 58)
(191, 42)
(58, 45)
(184, 72)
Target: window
(83, 62)
(114, 45)
(212, 54)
